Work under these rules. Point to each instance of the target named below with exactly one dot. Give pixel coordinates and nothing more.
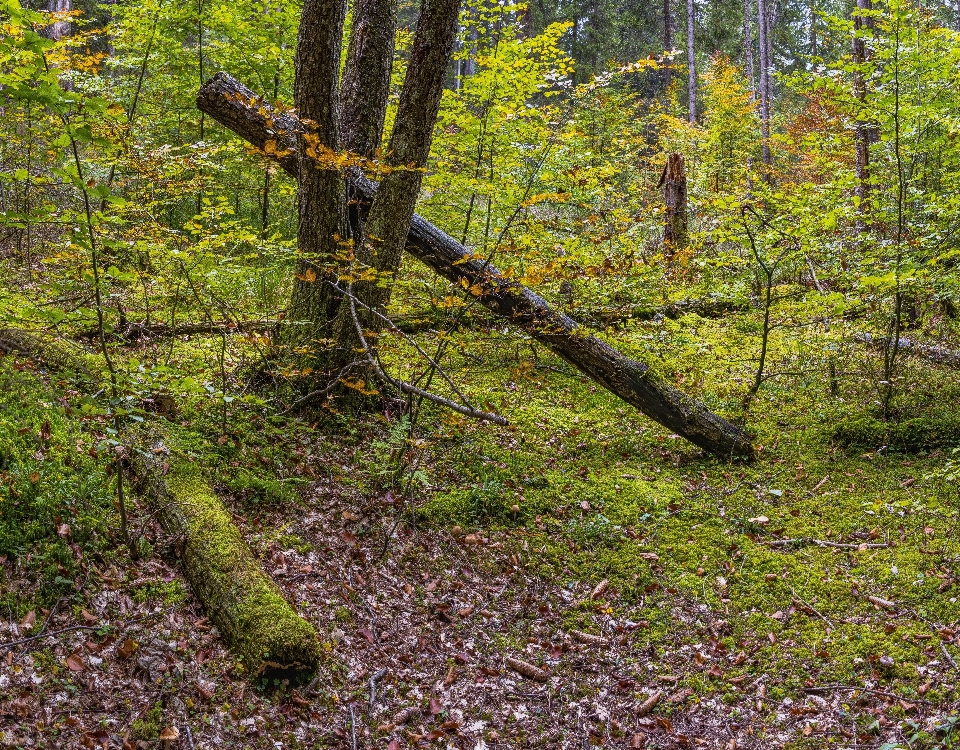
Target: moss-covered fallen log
(236, 107)
(254, 619)
(58, 356)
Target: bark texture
(237, 108)
(763, 30)
(691, 62)
(60, 28)
(322, 214)
(385, 232)
(673, 181)
(365, 88)
(247, 607)
(861, 135)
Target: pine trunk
(366, 77)
(237, 108)
(385, 232)
(762, 43)
(321, 225)
(691, 63)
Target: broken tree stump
(673, 181)
(237, 108)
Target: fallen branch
(855, 688)
(239, 109)
(465, 409)
(940, 355)
(137, 332)
(800, 542)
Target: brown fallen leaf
(394, 745)
(125, 650)
(63, 530)
(600, 589)
(451, 676)
(638, 741)
(88, 616)
(527, 669)
(29, 620)
(75, 663)
(588, 638)
(435, 706)
(649, 704)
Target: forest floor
(663, 599)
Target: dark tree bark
(384, 235)
(861, 133)
(667, 44)
(673, 180)
(748, 47)
(321, 225)
(237, 108)
(691, 62)
(763, 31)
(60, 28)
(366, 77)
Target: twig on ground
(403, 386)
(947, 656)
(373, 687)
(855, 688)
(823, 543)
(353, 728)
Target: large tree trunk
(384, 235)
(237, 108)
(691, 62)
(861, 133)
(667, 45)
(61, 27)
(748, 47)
(763, 31)
(673, 180)
(366, 76)
(322, 215)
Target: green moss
(906, 435)
(148, 726)
(257, 623)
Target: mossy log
(56, 355)
(236, 107)
(254, 619)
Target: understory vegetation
(655, 595)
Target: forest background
(810, 298)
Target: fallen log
(940, 355)
(248, 608)
(56, 355)
(254, 619)
(274, 132)
(137, 332)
